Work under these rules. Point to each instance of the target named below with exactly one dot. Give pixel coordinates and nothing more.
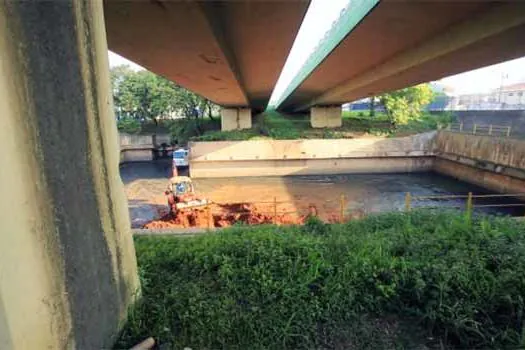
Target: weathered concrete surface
(413, 42)
(326, 117)
(493, 181)
(231, 52)
(289, 157)
(136, 154)
(312, 167)
(496, 163)
(502, 151)
(236, 118)
(67, 264)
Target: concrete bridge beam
(326, 117)
(67, 263)
(236, 118)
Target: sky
(318, 21)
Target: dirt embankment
(225, 215)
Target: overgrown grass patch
(389, 281)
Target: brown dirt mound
(222, 216)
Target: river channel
(359, 193)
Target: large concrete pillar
(236, 118)
(326, 117)
(67, 264)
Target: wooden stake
(275, 210)
(408, 201)
(342, 209)
(469, 206)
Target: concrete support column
(67, 263)
(326, 117)
(236, 118)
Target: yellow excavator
(181, 195)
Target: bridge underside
(230, 52)
(400, 44)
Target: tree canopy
(406, 104)
(142, 95)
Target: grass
(274, 125)
(421, 280)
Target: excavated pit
(224, 215)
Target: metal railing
(268, 212)
(469, 199)
(271, 212)
(478, 129)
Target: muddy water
(363, 193)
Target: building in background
(508, 97)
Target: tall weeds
(393, 280)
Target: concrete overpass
(68, 272)
(403, 43)
(230, 52)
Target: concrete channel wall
(496, 163)
(136, 148)
(311, 157)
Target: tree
(372, 106)
(403, 105)
(143, 96)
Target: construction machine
(181, 195)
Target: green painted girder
(350, 17)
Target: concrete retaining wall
(496, 163)
(309, 157)
(493, 162)
(136, 154)
(496, 150)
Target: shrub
(129, 125)
(183, 130)
(373, 283)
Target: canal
(362, 193)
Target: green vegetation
(146, 103)
(432, 279)
(129, 125)
(277, 126)
(142, 96)
(405, 105)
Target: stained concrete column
(326, 117)
(236, 118)
(67, 265)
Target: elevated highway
(230, 52)
(403, 43)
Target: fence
(477, 129)
(469, 199)
(264, 212)
(271, 212)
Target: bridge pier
(326, 117)
(236, 118)
(68, 272)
